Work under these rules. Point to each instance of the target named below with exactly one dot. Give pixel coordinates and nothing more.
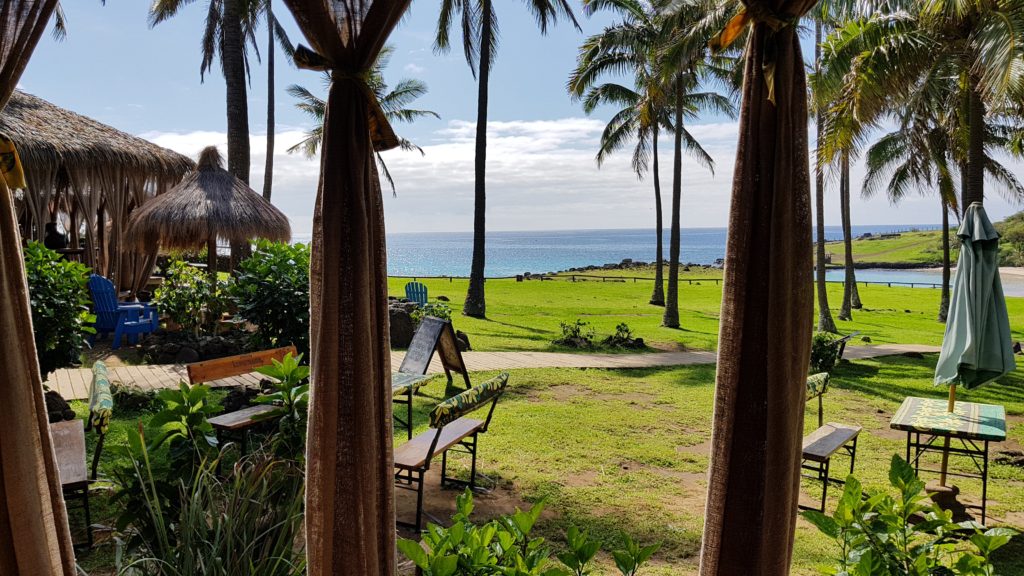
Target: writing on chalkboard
(434, 334)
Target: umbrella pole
(211, 257)
(945, 450)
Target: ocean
(511, 253)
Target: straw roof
(51, 138)
(209, 203)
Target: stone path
(73, 384)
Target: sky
(541, 170)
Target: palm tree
(393, 102)
(275, 33)
(479, 24)
(883, 54)
(825, 321)
(851, 298)
(230, 26)
(632, 45)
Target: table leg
(984, 484)
(908, 447)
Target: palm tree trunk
(658, 296)
(268, 171)
(974, 191)
(825, 322)
(850, 279)
(232, 53)
(671, 318)
(946, 264)
(475, 304)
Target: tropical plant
(906, 534)
(271, 290)
(184, 424)
(824, 352)
(479, 24)
(191, 299)
(505, 546)
(59, 297)
(394, 102)
(247, 524)
(438, 309)
(882, 56)
(578, 334)
(290, 403)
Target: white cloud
(541, 175)
(413, 68)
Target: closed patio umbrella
(977, 348)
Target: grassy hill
(916, 248)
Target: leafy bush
(131, 399)
(623, 338)
(184, 424)
(438, 309)
(291, 401)
(824, 352)
(247, 524)
(271, 290)
(504, 546)
(576, 334)
(191, 299)
(905, 535)
(59, 295)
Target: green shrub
(190, 299)
(623, 338)
(271, 290)
(824, 352)
(290, 399)
(906, 535)
(504, 546)
(246, 524)
(438, 309)
(59, 295)
(131, 399)
(576, 334)
(183, 423)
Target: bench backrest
(210, 370)
(465, 402)
(817, 384)
(416, 292)
(101, 410)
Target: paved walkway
(74, 383)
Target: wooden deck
(73, 384)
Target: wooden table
(971, 424)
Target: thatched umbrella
(207, 204)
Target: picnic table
(971, 424)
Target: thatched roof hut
(89, 175)
(209, 203)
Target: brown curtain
(767, 311)
(350, 518)
(34, 536)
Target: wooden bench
(450, 428)
(238, 423)
(69, 444)
(828, 439)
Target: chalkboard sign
(434, 334)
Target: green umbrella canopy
(976, 348)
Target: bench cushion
(401, 382)
(461, 404)
(817, 384)
(413, 454)
(101, 401)
(821, 444)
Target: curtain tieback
(756, 13)
(381, 133)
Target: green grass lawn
(527, 315)
(923, 248)
(626, 450)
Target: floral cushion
(101, 402)
(461, 404)
(816, 384)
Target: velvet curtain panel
(350, 517)
(34, 535)
(767, 311)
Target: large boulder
(402, 325)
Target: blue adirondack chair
(120, 318)
(416, 292)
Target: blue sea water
(511, 253)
